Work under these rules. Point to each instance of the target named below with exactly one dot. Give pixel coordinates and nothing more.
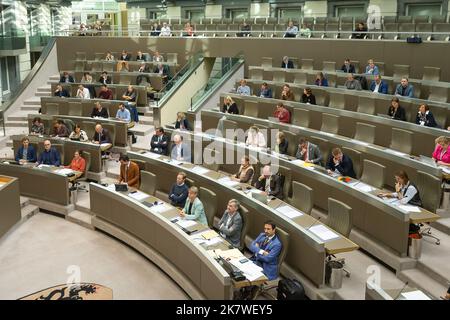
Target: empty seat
(300, 78)
(256, 74)
(148, 182)
(373, 174)
(429, 190)
(431, 74)
(80, 65)
(209, 200)
(222, 30)
(257, 30)
(365, 132)
(251, 109)
(404, 19)
(339, 217)
(380, 66)
(318, 30)
(421, 19)
(320, 20)
(406, 30)
(366, 105)
(228, 125)
(172, 57)
(337, 100)
(356, 157)
(401, 140)
(245, 224)
(400, 71)
(302, 197)
(346, 30)
(279, 76)
(292, 139)
(444, 29)
(308, 64)
(438, 94)
(424, 30)
(286, 173)
(332, 79)
(346, 20)
(99, 56)
(438, 19)
(266, 62)
(356, 64)
(269, 30)
(332, 30)
(330, 123)
(300, 117)
(96, 66)
(389, 19)
(329, 66)
(390, 31)
(272, 20)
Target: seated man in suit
(50, 156)
(163, 70)
(340, 163)
(230, 225)
(61, 92)
(286, 63)
(265, 91)
(105, 79)
(159, 142)
(378, 85)
(101, 135)
(129, 172)
(193, 208)
(60, 129)
(347, 67)
(66, 78)
(143, 68)
(98, 111)
(140, 56)
(308, 152)
(270, 183)
(404, 89)
(266, 249)
(179, 191)
(26, 152)
(181, 151)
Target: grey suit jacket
(231, 231)
(185, 152)
(314, 153)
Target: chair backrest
(209, 200)
(244, 216)
(251, 109)
(292, 140)
(52, 109)
(99, 55)
(365, 132)
(60, 149)
(366, 105)
(87, 158)
(337, 100)
(439, 94)
(228, 125)
(431, 74)
(112, 131)
(400, 71)
(300, 78)
(356, 159)
(339, 217)
(330, 123)
(300, 117)
(283, 236)
(401, 140)
(302, 197)
(279, 76)
(323, 145)
(69, 124)
(429, 190)
(140, 163)
(308, 64)
(189, 182)
(172, 57)
(286, 173)
(148, 182)
(373, 174)
(256, 74)
(329, 66)
(215, 166)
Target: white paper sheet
(297, 162)
(446, 170)
(152, 155)
(228, 182)
(111, 187)
(289, 212)
(213, 241)
(186, 223)
(364, 187)
(160, 208)
(415, 295)
(43, 166)
(138, 195)
(64, 171)
(250, 270)
(199, 170)
(323, 232)
(409, 208)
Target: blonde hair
(228, 98)
(442, 140)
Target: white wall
(174, 12)
(315, 9)
(259, 10)
(386, 7)
(213, 11)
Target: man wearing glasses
(50, 156)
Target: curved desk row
(347, 123)
(385, 223)
(391, 159)
(10, 212)
(306, 251)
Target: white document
(199, 170)
(152, 155)
(160, 208)
(64, 171)
(186, 223)
(323, 232)
(228, 182)
(104, 145)
(111, 187)
(138, 195)
(415, 295)
(298, 162)
(446, 170)
(43, 166)
(409, 208)
(289, 212)
(2, 183)
(213, 241)
(250, 270)
(364, 187)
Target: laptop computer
(260, 197)
(121, 187)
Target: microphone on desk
(398, 295)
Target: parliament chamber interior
(225, 150)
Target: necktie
(266, 240)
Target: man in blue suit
(404, 89)
(50, 156)
(26, 152)
(266, 249)
(378, 85)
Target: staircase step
(34, 101)
(16, 124)
(50, 82)
(55, 77)
(24, 201)
(142, 129)
(81, 218)
(20, 118)
(29, 210)
(30, 108)
(43, 94)
(419, 279)
(45, 89)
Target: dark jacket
(185, 124)
(348, 69)
(62, 93)
(323, 84)
(104, 80)
(314, 154)
(283, 147)
(345, 167)
(289, 65)
(160, 146)
(102, 114)
(266, 93)
(311, 99)
(426, 120)
(178, 195)
(52, 157)
(31, 154)
(276, 189)
(400, 114)
(69, 79)
(231, 109)
(383, 88)
(127, 57)
(104, 137)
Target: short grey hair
(193, 189)
(235, 202)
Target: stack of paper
(209, 234)
(138, 195)
(409, 208)
(64, 171)
(160, 208)
(111, 187)
(298, 162)
(228, 182)
(415, 295)
(186, 223)
(230, 254)
(364, 187)
(199, 170)
(250, 270)
(323, 232)
(446, 170)
(152, 155)
(43, 166)
(289, 212)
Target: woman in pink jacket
(441, 153)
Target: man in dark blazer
(378, 85)
(287, 63)
(341, 163)
(347, 67)
(308, 152)
(66, 78)
(230, 225)
(26, 152)
(159, 142)
(270, 183)
(104, 78)
(101, 135)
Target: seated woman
(308, 97)
(405, 191)
(282, 144)
(425, 117)
(109, 56)
(246, 171)
(441, 153)
(396, 111)
(287, 93)
(78, 134)
(78, 163)
(255, 138)
(182, 123)
(37, 127)
(229, 106)
(321, 81)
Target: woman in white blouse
(255, 138)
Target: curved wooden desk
(10, 213)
